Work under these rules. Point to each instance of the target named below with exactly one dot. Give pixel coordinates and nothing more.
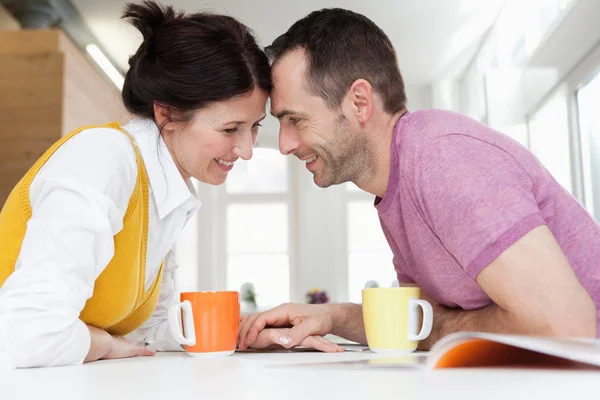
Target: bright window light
(106, 65)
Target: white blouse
(79, 199)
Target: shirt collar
(168, 187)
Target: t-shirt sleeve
(476, 198)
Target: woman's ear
(162, 114)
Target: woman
(85, 237)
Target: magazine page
(476, 349)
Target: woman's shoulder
(100, 158)
(110, 139)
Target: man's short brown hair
(343, 46)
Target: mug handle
(188, 322)
(427, 319)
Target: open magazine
(476, 349)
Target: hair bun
(148, 17)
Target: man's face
(324, 138)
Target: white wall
(418, 97)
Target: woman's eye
(256, 125)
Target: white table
(177, 376)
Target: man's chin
(320, 182)
(322, 185)
(325, 182)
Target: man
(471, 216)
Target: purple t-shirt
(460, 193)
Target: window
(517, 132)
(266, 172)
(522, 25)
(588, 98)
(549, 138)
(257, 228)
(369, 255)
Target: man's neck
(382, 132)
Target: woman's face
(207, 146)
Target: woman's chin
(215, 179)
(212, 176)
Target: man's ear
(361, 96)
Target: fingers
(243, 343)
(329, 346)
(321, 344)
(122, 348)
(270, 337)
(144, 351)
(135, 350)
(267, 338)
(297, 334)
(254, 324)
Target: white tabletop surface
(178, 376)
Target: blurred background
(528, 68)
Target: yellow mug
(391, 317)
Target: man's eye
(230, 131)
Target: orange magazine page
(476, 349)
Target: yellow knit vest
(120, 303)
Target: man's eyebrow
(286, 112)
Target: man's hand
(269, 339)
(305, 320)
(104, 347)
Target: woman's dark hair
(189, 61)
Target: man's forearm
(348, 322)
(492, 319)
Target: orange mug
(209, 322)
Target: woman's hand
(105, 346)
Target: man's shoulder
(432, 128)
(430, 124)
(437, 129)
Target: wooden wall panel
(47, 88)
(30, 41)
(30, 112)
(88, 97)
